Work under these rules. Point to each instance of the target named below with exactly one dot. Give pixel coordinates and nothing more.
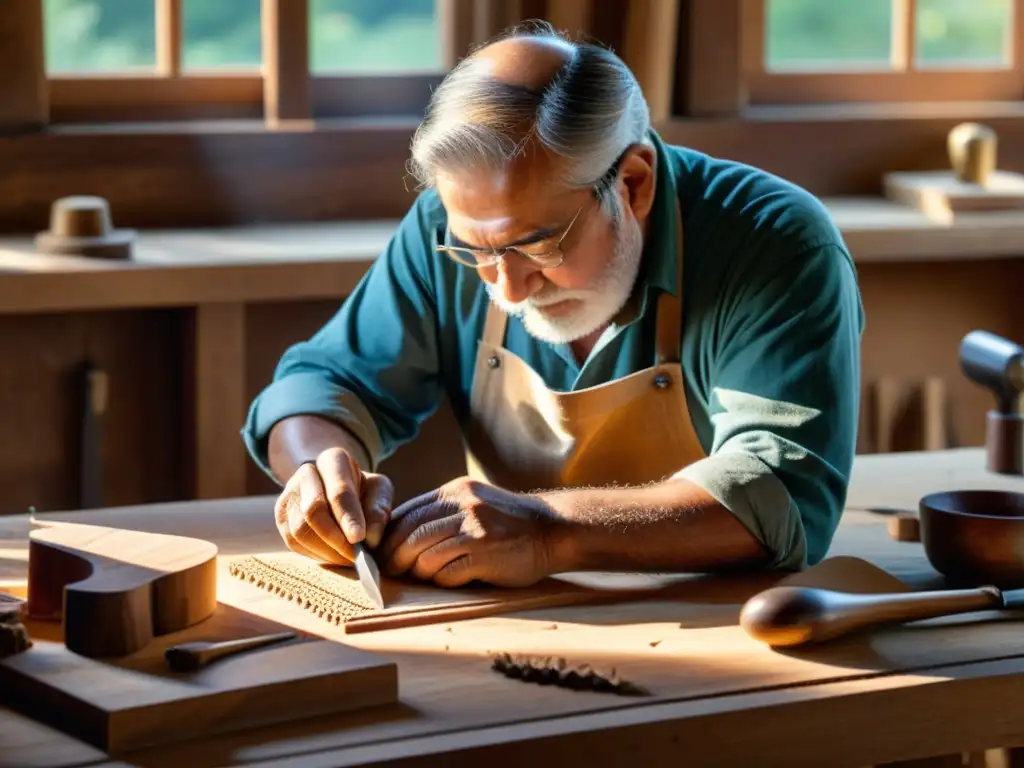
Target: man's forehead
(496, 202)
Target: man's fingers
(325, 536)
(285, 510)
(281, 520)
(377, 499)
(433, 559)
(341, 482)
(460, 571)
(412, 505)
(415, 534)
(299, 515)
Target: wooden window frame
(171, 94)
(901, 84)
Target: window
(110, 60)
(381, 57)
(380, 36)
(800, 51)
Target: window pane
(374, 37)
(99, 35)
(963, 33)
(828, 35)
(221, 34)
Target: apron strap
(669, 328)
(494, 326)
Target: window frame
(903, 83)
(171, 93)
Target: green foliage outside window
(402, 35)
(85, 36)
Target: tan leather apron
(523, 436)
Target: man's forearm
(298, 439)
(671, 526)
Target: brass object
(973, 150)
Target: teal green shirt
(770, 346)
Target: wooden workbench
(855, 703)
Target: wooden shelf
(326, 260)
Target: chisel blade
(369, 574)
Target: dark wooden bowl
(975, 537)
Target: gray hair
(590, 112)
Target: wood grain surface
(127, 703)
(707, 678)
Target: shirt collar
(659, 264)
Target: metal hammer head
(997, 364)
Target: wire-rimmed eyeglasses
(540, 254)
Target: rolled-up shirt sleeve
(373, 367)
(784, 402)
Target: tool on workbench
(191, 657)
(369, 574)
(998, 364)
(791, 616)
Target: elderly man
(653, 354)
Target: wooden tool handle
(787, 616)
(189, 657)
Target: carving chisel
(369, 574)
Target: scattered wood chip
(559, 672)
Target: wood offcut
(115, 590)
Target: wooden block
(904, 528)
(115, 590)
(136, 702)
(941, 196)
(124, 597)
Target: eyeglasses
(545, 258)
(542, 256)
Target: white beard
(596, 305)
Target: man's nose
(517, 279)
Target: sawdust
(332, 596)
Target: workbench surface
(940, 687)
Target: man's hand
(329, 504)
(466, 531)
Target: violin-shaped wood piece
(191, 657)
(791, 616)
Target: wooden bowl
(975, 537)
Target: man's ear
(639, 175)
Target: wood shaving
(558, 672)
